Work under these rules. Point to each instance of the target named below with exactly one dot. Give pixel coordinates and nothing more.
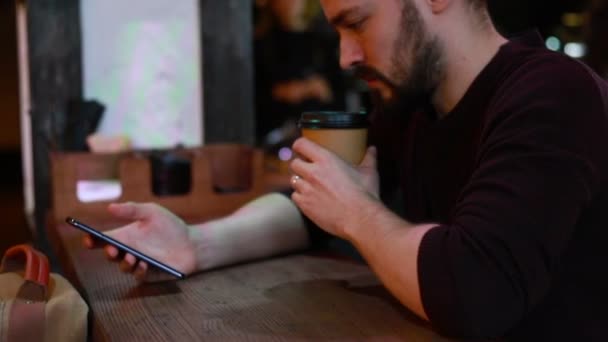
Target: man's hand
(331, 192)
(343, 200)
(155, 232)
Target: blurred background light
(553, 43)
(575, 50)
(285, 154)
(573, 19)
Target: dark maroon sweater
(517, 177)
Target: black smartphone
(122, 247)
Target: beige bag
(36, 305)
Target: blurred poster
(142, 59)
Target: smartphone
(122, 247)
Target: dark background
(13, 228)
(519, 15)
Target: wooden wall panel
(227, 34)
(9, 96)
(56, 78)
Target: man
(503, 179)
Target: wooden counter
(295, 298)
(290, 298)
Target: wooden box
(213, 167)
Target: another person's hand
(320, 89)
(297, 91)
(329, 191)
(99, 143)
(292, 92)
(155, 232)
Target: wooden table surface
(290, 298)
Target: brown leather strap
(36, 263)
(26, 321)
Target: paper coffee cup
(343, 133)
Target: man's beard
(412, 84)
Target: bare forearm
(390, 245)
(267, 226)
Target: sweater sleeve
(537, 168)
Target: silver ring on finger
(295, 179)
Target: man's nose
(350, 53)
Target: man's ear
(438, 6)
